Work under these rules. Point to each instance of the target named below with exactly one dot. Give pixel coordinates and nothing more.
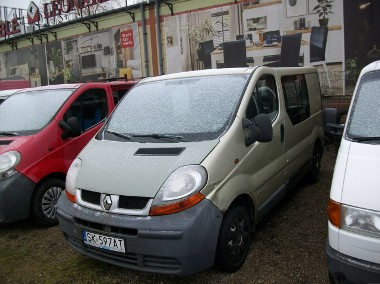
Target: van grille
(106, 228)
(125, 202)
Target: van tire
(44, 202)
(315, 170)
(234, 240)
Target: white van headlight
(71, 179)
(360, 220)
(8, 162)
(180, 190)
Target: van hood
(13, 143)
(361, 186)
(135, 169)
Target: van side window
(296, 97)
(90, 108)
(264, 98)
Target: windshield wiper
(365, 138)
(160, 136)
(119, 134)
(4, 133)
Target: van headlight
(360, 220)
(180, 190)
(71, 179)
(8, 162)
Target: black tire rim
(49, 201)
(237, 240)
(316, 160)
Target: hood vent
(5, 142)
(159, 151)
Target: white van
(189, 163)
(353, 250)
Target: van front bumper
(15, 195)
(183, 243)
(346, 269)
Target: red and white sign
(126, 39)
(33, 13)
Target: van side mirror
(260, 129)
(71, 128)
(331, 123)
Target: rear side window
(296, 97)
(90, 108)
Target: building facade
(71, 41)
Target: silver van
(189, 163)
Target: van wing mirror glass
(260, 129)
(71, 128)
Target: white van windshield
(188, 109)
(363, 123)
(28, 112)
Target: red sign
(126, 39)
(33, 13)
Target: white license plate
(103, 242)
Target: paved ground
(288, 247)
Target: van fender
(231, 192)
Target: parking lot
(288, 247)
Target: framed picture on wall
(312, 4)
(295, 8)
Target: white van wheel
(234, 240)
(316, 163)
(44, 203)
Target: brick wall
(338, 102)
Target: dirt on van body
(287, 247)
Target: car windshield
(184, 109)
(363, 123)
(28, 112)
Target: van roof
(7, 93)
(371, 67)
(200, 73)
(229, 71)
(116, 85)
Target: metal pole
(146, 62)
(158, 28)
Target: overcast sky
(24, 4)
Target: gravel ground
(287, 247)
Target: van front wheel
(234, 240)
(316, 163)
(44, 203)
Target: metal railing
(337, 82)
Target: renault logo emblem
(107, 202)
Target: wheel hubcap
(49, 201)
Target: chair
(205, 49)
(290, 50)
(318, 40)
(268, 37)
(235, 54)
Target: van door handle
(282, 133)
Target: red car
(42, 130)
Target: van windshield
(28, 112)
(363, 123)
(183, 109)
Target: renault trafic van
(189, 163)
(353, 249)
